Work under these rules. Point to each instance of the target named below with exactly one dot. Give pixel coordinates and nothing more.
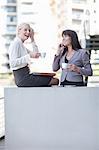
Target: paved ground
(2, 144)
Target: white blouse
(18, 54)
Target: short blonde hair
(20, 26)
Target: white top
(18, 54)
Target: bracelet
(56, 54)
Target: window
(79, 1)
(11, 19)
(95, 11)
(10, 8)
(27, 3)
(11, 28)
(11, 1)
(77, 13)
(7, 45)
(10, 37)
(76, 22)
(27, 13)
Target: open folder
(44, 74)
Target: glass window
(77, 13)
(10, 37)
(11, 1)
(10, 8)
(27, 3)
(76, 22)
(7, 45)
(11, 19)
(79, 1)
(11, 28)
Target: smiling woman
(20, 56)
(76, 60)
(24, 31)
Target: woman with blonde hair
(19, 57)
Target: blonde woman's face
(24, 32)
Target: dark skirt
(23, 78)
(66, 83)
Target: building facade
(78, 15)
(8, 22)
(48, 18)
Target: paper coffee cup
(64, 65)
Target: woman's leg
(38, 81)
(31, 80)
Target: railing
(2, 124)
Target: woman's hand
(60, 49)
(72, 67)
(32, 35)
(34, 54)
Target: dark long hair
(74, 40)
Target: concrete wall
(56, 118)
(1, 117)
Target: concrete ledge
(54, 118)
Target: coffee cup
(64, 65)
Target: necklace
(70, 54)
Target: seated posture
(72, 59)
(20, 56)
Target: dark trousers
(23, 78)
(65, 82)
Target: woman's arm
(16, 59)
(86, 70)
(35, 52)
(56, 63)
(18, 62)
(57, 57)
(34, 46)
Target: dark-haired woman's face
(66, 41)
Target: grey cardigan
(80, 59)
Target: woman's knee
(54, 81)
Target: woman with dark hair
(72, 59)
